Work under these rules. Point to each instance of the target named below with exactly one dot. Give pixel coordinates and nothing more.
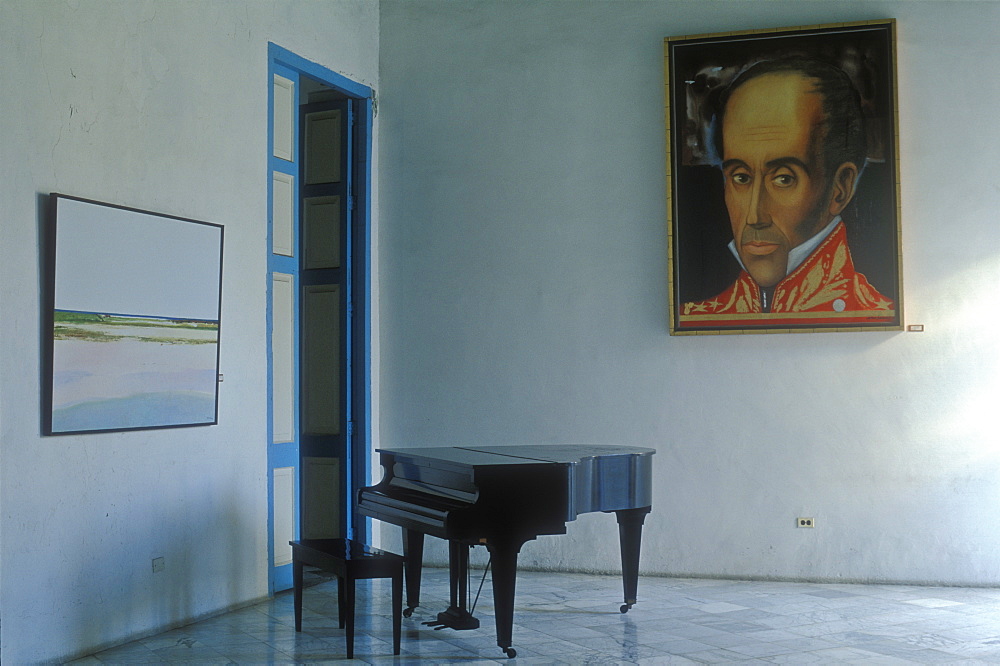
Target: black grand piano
(501, 497)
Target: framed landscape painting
(783, 180)
(133, 308)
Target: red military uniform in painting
(825, 282)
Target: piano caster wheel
(510, 652)
(407, 612)
(624, 608)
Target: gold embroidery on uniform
(829, 292)
(695, 307)
(867, 297)
(820, 285)
(814, 280)
(732, 299)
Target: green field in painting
(94, 327)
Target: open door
(318, 304)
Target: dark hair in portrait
(842, 134)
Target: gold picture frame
(792, 224)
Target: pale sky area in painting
(111, 260)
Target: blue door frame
(357, 281)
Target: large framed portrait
(783, 180)
(132, 310)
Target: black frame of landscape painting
(131, 319)
(844, 272)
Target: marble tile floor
(564, 618)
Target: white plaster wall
(524, 294)
(159, 105)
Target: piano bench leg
(297, 583)
(349, 609)
(397, 614)
(341, 602)
(348, 561)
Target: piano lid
(600, 478)
(515, 454)
(455, 458)
(561, 453)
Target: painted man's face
(776, 191)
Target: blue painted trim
(348, 281)
(359, 449)
(269, 326)
(282, 454)
(283, 166)
(363, 440)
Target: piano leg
(504, 554)
(630, 534)
(413, 553)
(457, 616)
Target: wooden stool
(348, 561)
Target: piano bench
(348, 561)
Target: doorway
(318, 304)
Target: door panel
(282, 214)
(322, 217)
(322, 498)
(320, 364)
(283, 358)
(324, 139)
(284, 103)
(284, 514)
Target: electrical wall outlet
(158, 564)
(805, 522)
